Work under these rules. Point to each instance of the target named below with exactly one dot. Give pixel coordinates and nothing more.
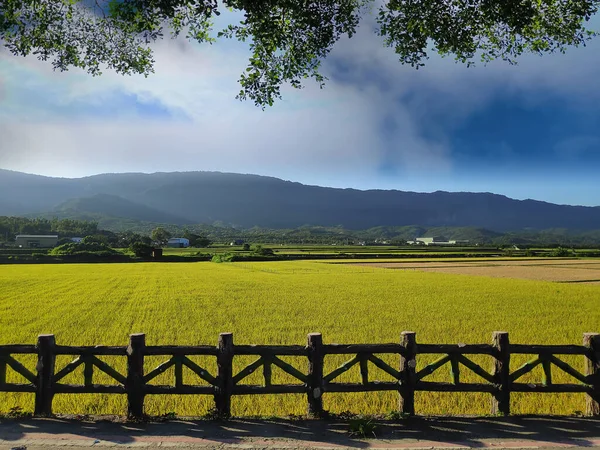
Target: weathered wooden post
(501, 373)
(135, 376)
(408, 370)
(44, 391)
(225, 375)
(316, 357)
(2, 371)
(592, 371)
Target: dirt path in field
(565, 271)
(417, 433)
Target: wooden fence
(45, 382)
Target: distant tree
(202, 242)
(196, 240)
(141, 250)
(288, 40)
(563, 252)
(125, 239)
(95, 239)
(5, 233)
(263, 251)
(11, 226)
(160, 236)
(84, 247)
(246, 247)
(36, 226)
(74, 228)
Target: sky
(525, 131)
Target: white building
(437, 241)
(432, 240)
(36, 241)
(178, 243)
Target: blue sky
(525, 131)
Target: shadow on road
(471, 432)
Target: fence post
(408, 370)
(45, 371)
(2, 371)
(225, 375)
(501, 373)
(592, 371)
(315, 375)
(135, 376)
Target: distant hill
(250, 200)
(113, 206)
(406, 233)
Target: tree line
(11, 226)
(66, 229)
(202, 235)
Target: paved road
(417, 433)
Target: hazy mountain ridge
(108, 205)
(252, 200)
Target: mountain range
(250, 200)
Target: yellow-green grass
(279, 303)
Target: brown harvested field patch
(529, 273)
(546, 262)
(408, 265)
(581, 266)
(543, 270)
(539, 262)
(413, 263)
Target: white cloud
(338, 138)
(310, 132)
(48, 124)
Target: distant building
(382, 241)
(237, 242)
(437, 240)
(178, 243)
(36, 241)
(431, 240)
(77, 240)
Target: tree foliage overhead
(288, 38)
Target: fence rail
(136, 383)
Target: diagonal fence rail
(138, 382)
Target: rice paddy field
(280, 303)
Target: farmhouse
(178, 243)
(36, 241)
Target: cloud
(578, 146)
(311, 131)
(338, 137)
(375, 118)
(566, 75)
